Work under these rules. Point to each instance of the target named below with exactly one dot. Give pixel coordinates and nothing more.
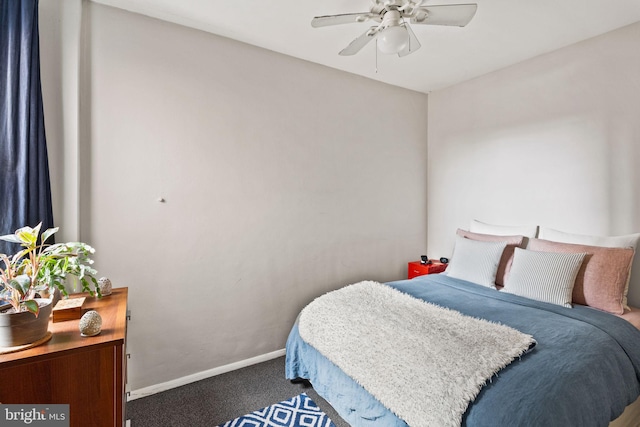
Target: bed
(583, 371)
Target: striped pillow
(507, 256)
(603, 278)
(544, 276)
(476, 261)
(625, 241)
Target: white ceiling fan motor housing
(393, 36)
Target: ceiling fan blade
(355, 46)
(457, 15)
(413, 44)
(347, 18)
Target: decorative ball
(105, 286)
(90, 324)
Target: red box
(416, 268)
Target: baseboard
(148, 391)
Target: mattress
(632, 315)
(629, 418)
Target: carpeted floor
(222, 398)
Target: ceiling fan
(393, 33)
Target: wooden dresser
(88, 373)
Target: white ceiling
(502, 33)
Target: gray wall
(282, 179)
(553, 141)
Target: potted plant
(38, 270)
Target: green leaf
(21, 284)
(37, 228)
(20, 254)
(48, 233)
(10, 238)
(41, 287)
(32, 306)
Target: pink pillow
(602, 279)
(507, 255)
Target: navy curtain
(25, 191)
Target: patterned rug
(299, 411)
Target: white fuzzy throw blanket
(423, 362)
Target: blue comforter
(583, 372)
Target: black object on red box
(424, 259)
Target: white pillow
(503, 230)
(544, 276)
(629, 240)
(476, 261)
(624, 241)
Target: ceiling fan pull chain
(376, 56)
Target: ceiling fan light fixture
(393, 39)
